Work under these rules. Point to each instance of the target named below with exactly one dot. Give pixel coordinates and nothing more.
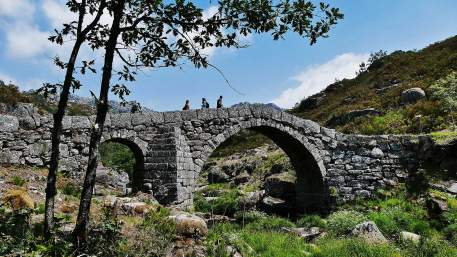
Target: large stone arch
(139, 154)
(311, 189)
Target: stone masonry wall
(175, 145)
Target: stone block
(80, 122)
(8, 123)
(172, 117)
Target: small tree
(374, 59)
(445, 91)
(74, 31)
(160, 34)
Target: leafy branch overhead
(158, 34)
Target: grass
(342, 222)
(353, 248)
(443, 137)
(226, 203)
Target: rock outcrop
(412, 95)
(369, 231)
(352, 115)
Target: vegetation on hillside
(380, 85)
(11, 96)
(118, 157)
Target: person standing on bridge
(205, 104)
(219, 102)
(186, 106)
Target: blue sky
(268, 71)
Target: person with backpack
(219, 102)
(186, 106)
(205, 104)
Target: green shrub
(18, 181)
(105, 236)
(10, 94)
(40, 209)
(309, 221)
(15, 232)
(71, 189)
(428, 247)
(393, 122)
(450, 233)
(342, 222)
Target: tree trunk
(55, 138)
(82, 222)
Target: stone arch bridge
(172, 147)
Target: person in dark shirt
(186, 106)
(219, 102)
(205, 104)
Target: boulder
(350, 116)
(232, 251)
(411, 237)
(412, 95)
(436, 207)
(281, 185)
(243, 178)
(453, 189)
(252, 199)
(369, 231)
(112, 178)
(377, 153)
(216, 175)
(190, 225)
(134, 208)
(212, 219)
(277, 168)
(308, 234)
(312, 102)
(275, 205)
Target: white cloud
(16, 8)
(316, 78)
(57, 13)
(25, 40)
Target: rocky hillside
(10, 96)
(392, 94)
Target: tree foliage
(445, 90)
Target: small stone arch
(311, 189)
(138, 153)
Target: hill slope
(380, 88)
